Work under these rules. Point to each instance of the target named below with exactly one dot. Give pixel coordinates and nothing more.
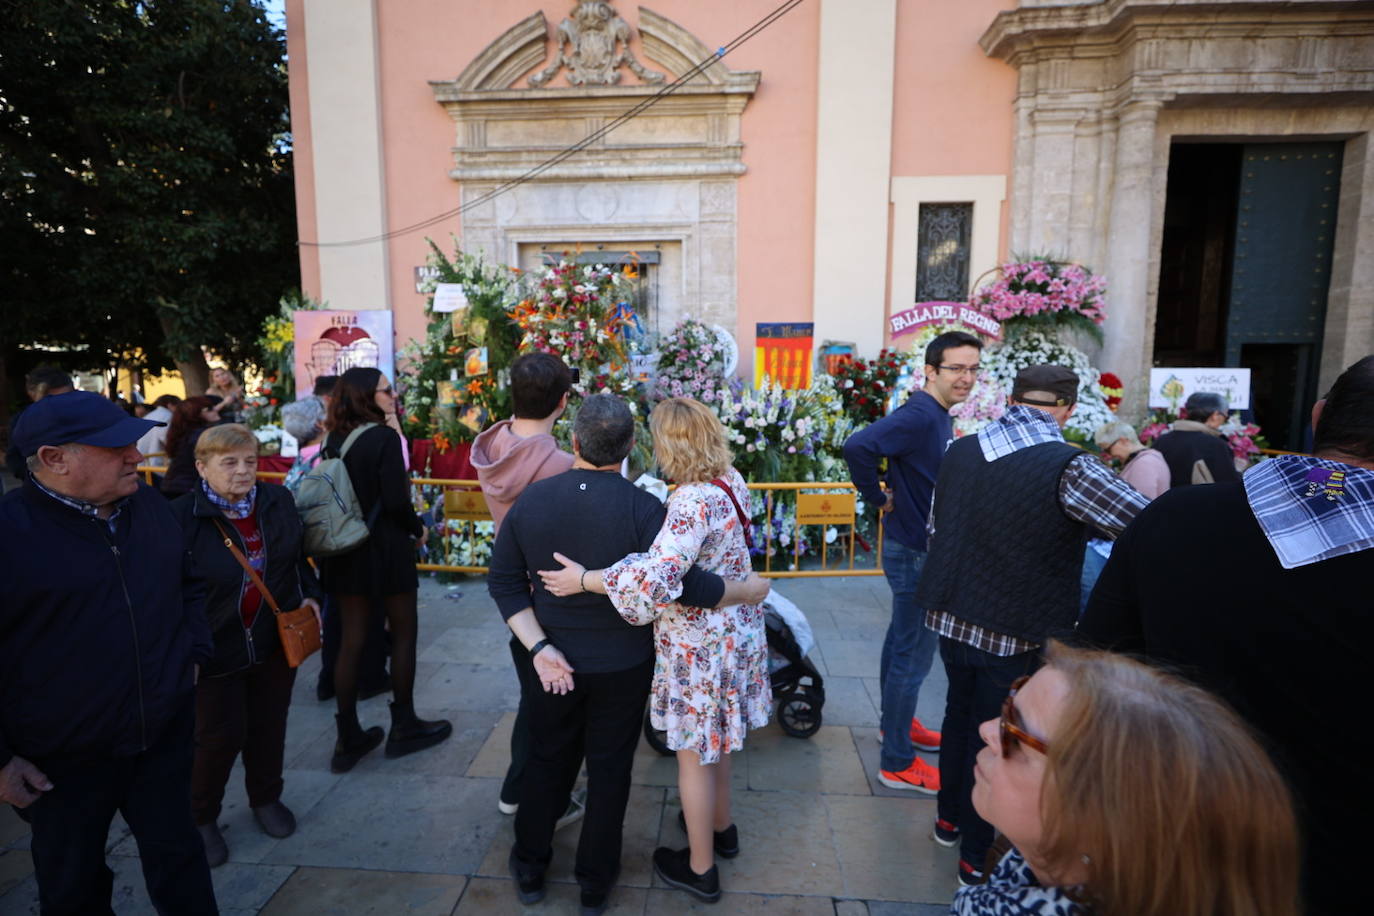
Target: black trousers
(520, 732)
(244, 712)
(153, 792)
(600, 718)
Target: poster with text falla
(331, 342)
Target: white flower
(560, 293)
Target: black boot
(353, 743)
(410, 733)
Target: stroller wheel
(800, 715)
(658, 739)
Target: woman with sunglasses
(1125, 790)
(381, 569)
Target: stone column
(1128, 330)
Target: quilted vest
(1004, 555)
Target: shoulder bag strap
(248, 568)
(353, 437)
(743, 519)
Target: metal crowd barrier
(831, 505)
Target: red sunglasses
(1010, 724)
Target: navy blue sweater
(99, 630)
(913, 439)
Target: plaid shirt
(1089, 492)
(90, 510)
(1311, 509)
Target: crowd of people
(1147, 667)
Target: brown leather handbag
(299, 629)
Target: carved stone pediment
(593, 42)
(503, 129)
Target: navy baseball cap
(77, 416)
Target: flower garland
(691, 363)
(1044, 294)
(580, 313)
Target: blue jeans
(1093, 563)
(978, 683)
(908, 651)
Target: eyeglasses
(386, 390)
(1010, 725)
(971, 371)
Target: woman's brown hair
(354, 401)
(225, 438)
(689, 441)
(185, 418)
(1167, 798)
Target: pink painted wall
(952, 104)
(952, 115)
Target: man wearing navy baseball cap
(101, 632)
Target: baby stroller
(798, 688)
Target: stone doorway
(1245, 263)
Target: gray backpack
(328, 507)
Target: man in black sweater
(594, 667)
(1194, 447)
(1271, 609)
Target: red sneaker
(924, 738)
(919, 777)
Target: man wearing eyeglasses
(1012, 510)
(913, 439)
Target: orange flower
(441, 443)
(475, 387)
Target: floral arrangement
(581, 313)
(773, 430)
(1245, 439)
(691, 363)
(263, 405)
(1112, 390)
(433, 381)
(1044, 294)
(864, 386)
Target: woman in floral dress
(711, 668)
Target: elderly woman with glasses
(1127, 790)
(244, 692)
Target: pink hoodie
(507, 463)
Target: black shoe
(529, 886)
(324, 691)
(726, 842)
(275, 819)
(353, 744)
(594, 903)
(409, 733)
(674, 866)
(216, 850)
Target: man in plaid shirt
(1013, 509)
(1260, 590)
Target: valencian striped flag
(782, 351)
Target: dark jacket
(1286, 647)
(1004, 555)
(288, 575)
(384, 564)
(597, 518)
(1192, 450)
(913, 438)
(99, 630)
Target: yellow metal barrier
(825, 504)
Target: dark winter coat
(99, 630)
(288, 575)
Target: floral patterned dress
(711, 666)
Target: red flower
(272, 401)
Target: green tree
(146, 197)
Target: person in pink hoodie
(509, 457)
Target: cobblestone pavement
(422, 834)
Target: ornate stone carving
(593, 42)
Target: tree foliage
(146, 199)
